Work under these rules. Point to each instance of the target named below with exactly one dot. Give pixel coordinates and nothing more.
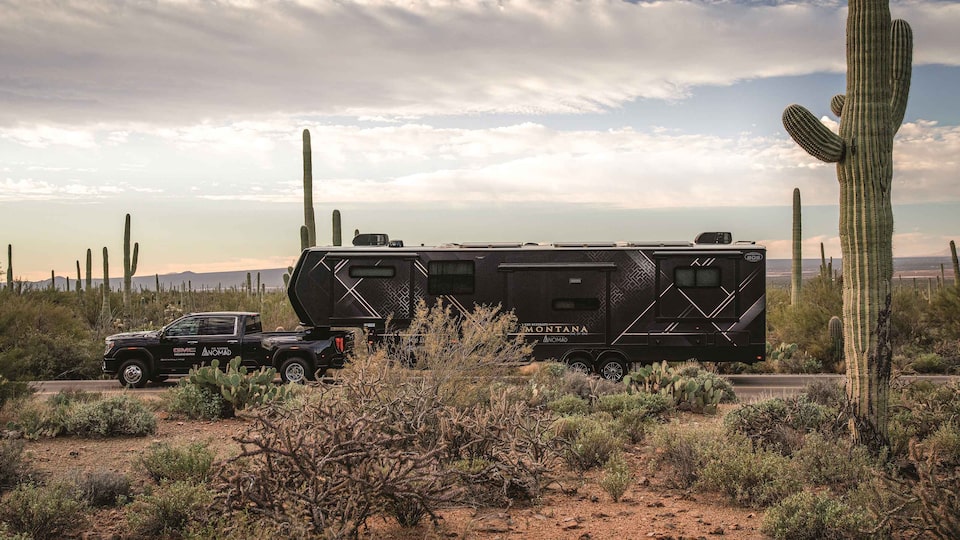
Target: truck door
(560, 304)
(219, 339)
(179, 346)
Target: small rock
(594, 499)
(717, 531)
(751, 515)
(644, 481)
(655, 504)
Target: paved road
(748, 387)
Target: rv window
(695, 276)
(450, 277)
(372, 271)
(576, 304)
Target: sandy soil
(574, 508)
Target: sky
(441, 121)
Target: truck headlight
(109, 348)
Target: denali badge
(753, 257)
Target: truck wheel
(133, 373)
(612, 368)
(579, 364)
(295, 370)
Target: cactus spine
(956, 264)
(337, 240)
(796, 269)
(308, 217)
(129, 263)
(879, 63)
(9, 266)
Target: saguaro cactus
(879, 60)
(956, 264)
(9, 266)
(129, 263)
(337, 241)
(79, 282)
(105, 313)
(308, 218)
(89, 269)
(796, 269)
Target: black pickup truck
(198, 338)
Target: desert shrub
(918, 409)
(12, 467)
(42, 511)
(634, 414)
(34, 419)
(5, 533)
(749, 476)
(168, 510)
(779, 424)
(103, 487)
(814, 516)
(826, 392)
(592, 447)
(194, 401)
(120, 415)
(165, 463)
(930, 362)
(684, 451)
(557, 381)
(10, 390)
(832, 462)
(569, 405)
(617, 476)
(804, 324)
(67, 398)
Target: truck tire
(133, 373)
(579, 364)
(295, 370)
(612, 368)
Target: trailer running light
(338, 343)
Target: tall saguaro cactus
(879, 63)
(105, 313)
(89, 276)
(796, 268)
(129, 263)
(308, 218)
(9, 266)
(337, 240)
(956, 264)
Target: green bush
(569, 405)
(115, 416)
(634, 414)
(779, 424)
(828, 393)
(12, 467)
(5, 533)
(10, 390)
(165, 463)
(684, 451)
(814, 516)
(929, 363)
(749, 476)
(617, 476)
(43, 511)
(194, 401)
(168, 510)
(103, 487)
(836, 463)
(35, 419)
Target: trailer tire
(295, 370)
(133, 373)
(612, 368)
(580, 364)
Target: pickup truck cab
(199, 338)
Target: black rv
(598, 306)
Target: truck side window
(450, 277)
(185, 327)
(253, 325)
(219, 326)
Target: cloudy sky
(440, 121)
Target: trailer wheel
(579, 364)
(612, 368)
(295, 370)
(133, 373)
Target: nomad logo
(554, 328)
(216, 351)
(184, 351)
(753, 257)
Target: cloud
(184, 62)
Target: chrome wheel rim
(294, 372)
(132, 374)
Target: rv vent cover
(714, 238)
(371, 239)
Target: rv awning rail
(507, 267)
(373, 254)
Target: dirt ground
(574, 508)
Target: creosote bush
(750, 476)
(780, 424)
(12, 467)
(103, 487)
(43, 512)
(194, 401)
(113, 416)
(191, 463)
(815, 516)
(617, 476)
(168, 510)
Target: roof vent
(714, 238)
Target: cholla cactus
(879, 60)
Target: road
(747, 387)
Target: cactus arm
(304, 237)
(336, 228)
(902, 68)
(836, 104)
(796, 268)
(812, 135)
(136, 256)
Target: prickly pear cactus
(238, 387)
(879, 63)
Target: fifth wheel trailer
(598, 306)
